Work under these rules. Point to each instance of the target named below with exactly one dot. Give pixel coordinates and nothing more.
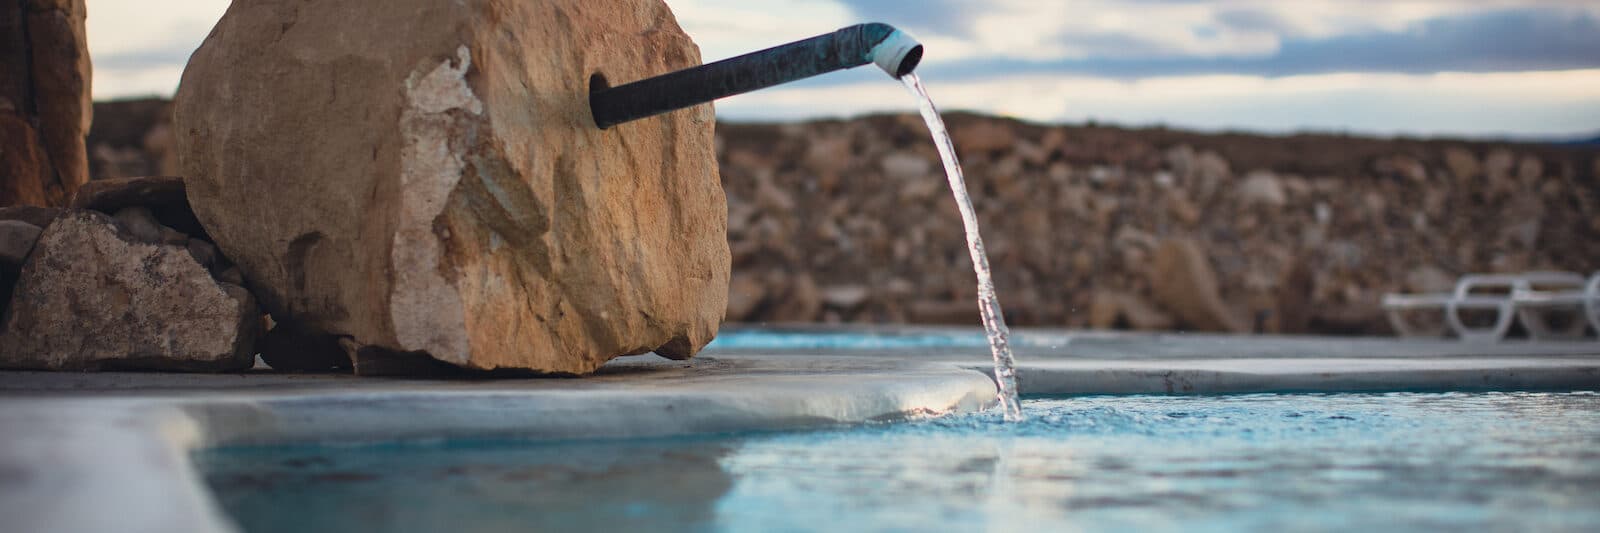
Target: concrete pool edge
(110, 452)
(118, 459)
(1307, 375)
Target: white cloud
(140, 47)
(726, 28)
(1519, 103)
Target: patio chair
(1557, 291)
(1395, 306)
(1528, 297)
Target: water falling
(994, 321)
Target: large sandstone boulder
(45, 108)
(94, 295)
(425, 177)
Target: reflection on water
(1514, 461)
(472, 487)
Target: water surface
(1307, 462)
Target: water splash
(994, 321)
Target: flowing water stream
(994, 320)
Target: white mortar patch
(427, 312)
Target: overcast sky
(1458, 67)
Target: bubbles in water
(994, 320)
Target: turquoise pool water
(1309, 462)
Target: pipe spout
(892, 50)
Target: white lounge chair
(1395, 307)
(1554, 292)
(1464, 299)
(1528, 296)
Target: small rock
(231, 275)
(1462, 164)
(38, 216)
(1499, 164)
(845, 296)
(91, 298)
(140, 223)
(829, 154)
(16, 240)
(982, 137)
(1530, 169)
(1179, 206)
(906, 166)
(203, 252)
(1263, 187)
(1429, 278)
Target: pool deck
(109, 451)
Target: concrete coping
(109, 452)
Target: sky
(1479, 68)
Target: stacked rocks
(1144, 229)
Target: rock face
(45, 109)
(92, 296)
(423, 176)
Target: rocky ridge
(850, 221)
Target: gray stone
(139, 222)
(91, 297)
(16, 240)
(203, 252)
(1263, 187)
(38, 216)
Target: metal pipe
(894, 51)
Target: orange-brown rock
(45, 109)
(424, 176)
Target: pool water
(1317, 462)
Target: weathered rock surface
(93, 296)
(45, 109)
(424, 176)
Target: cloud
(1202, 63)
(1549, 104)
(1505, 40)
(942, 17)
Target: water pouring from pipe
(893, 51)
